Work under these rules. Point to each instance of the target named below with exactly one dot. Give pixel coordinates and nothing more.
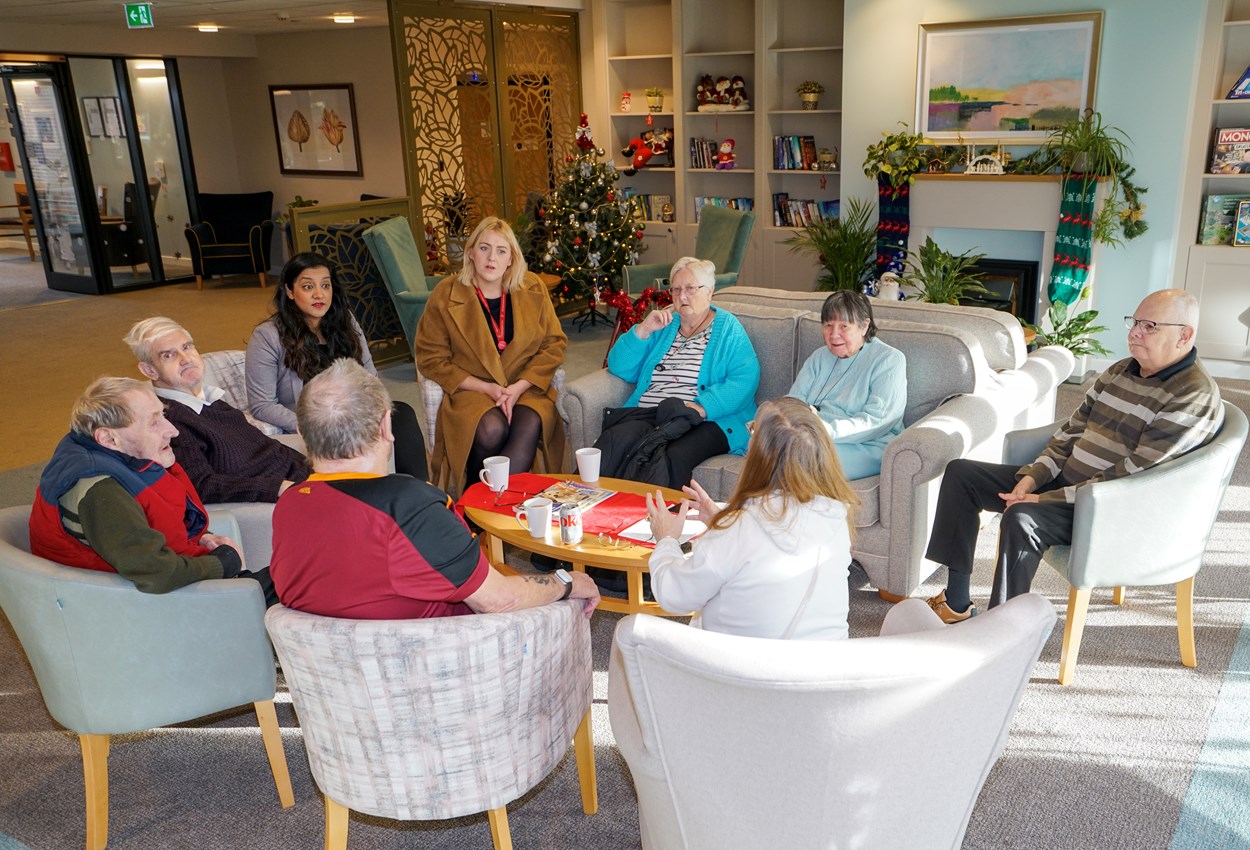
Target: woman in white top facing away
(774, 562)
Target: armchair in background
(233, 235)
(123, 240)
(751, 742)
(21, 221)
(1148, 528)
(438, 718)
(723, 237)
(395, 253)
(110, 660)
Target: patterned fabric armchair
(438, 718)
(358, 274)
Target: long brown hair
(791, 454)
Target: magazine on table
(585, 496)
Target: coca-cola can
(570, 524)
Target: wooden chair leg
(499, 832)
(584, 750)
(1078, 605)
(95, 772)
(267, 717)
(336, 825)
(199, 281)
(1185, 621)
(263, 280)
(1117, 595)
(892, 598)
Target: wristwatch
(564, 578)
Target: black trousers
(409, 444)
(1025, 533)
(683, 454)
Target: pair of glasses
(1149, 327)
(685, 290)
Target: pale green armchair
(110, 660)
(724, 235)
(1149, 528)
(396, 255)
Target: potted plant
(1087, 146)
(941, 277)
(845, 246)
(809, 91)
(896, 159)
(454, 205)
(655, 98)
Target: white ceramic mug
(494, 473)
(536, 513)
(588, 464)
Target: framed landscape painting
(316, 129)
(1007, 79)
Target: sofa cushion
(772, 336)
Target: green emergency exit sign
(138, 15)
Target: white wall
(1146, 80)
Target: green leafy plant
(898, 157)
(940, 276)
(299, 203)
(845, 246)
(1087, 146)
(654, 91)
(809, 87)
(1077, 333)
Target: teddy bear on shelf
(725, 158)
(640, 154)
(738, 94)
(704, 90)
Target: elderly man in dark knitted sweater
(1154, 405)
(225, 456)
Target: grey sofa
(946, 418)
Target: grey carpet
(23, 284)
(1103, 763)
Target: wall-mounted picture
(316, 129)
(112, 120)
(95, 121)
(1007, 79)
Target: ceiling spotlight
(207, 28)
(345, 19)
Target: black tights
(496, 436)
(409, 444)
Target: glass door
(34, 93)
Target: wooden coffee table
(498, 529)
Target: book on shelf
(1241, 235)
(1241, 88)
(703, 152)
(700, 201)
(650, 207)
(794, 153)
(1219, 218)
(1230, 153)
(801, 212)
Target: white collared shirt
(196, 403)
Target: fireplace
(1012, 286)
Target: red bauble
(568, 159)
(638, 234)
(610, 196)
(577, 240)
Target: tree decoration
(593, 232)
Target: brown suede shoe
(939, 606)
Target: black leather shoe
(548, 564)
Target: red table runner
(611, 515)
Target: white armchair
(1150, 528)
(438, 718)
(738, 742)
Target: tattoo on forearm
(539, 579)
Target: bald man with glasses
(1154, 405)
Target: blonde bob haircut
(514, 278)
(792, 456)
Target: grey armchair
(438, 718)
(111, 660)
(1149, 528)
(724, 236)
(737, 742)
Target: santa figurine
(725, 156)
(584, 141)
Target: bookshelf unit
(774, 45)
(1217, 274)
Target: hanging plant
(896, 159)
(1089, 147)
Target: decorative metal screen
(492, 99)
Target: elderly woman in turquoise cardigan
(695, 373)
(856, 384)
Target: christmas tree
(593, 232)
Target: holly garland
(893, 225)
(593, 231)
(1074, 239)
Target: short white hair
(147, 331)
(704, 271)
(340, 410)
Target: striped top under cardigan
(1128, 423)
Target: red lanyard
(497, 328)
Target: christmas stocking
(893, 223)
(1073, 239)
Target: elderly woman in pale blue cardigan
(856, 384)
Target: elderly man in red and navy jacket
(112, 497)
